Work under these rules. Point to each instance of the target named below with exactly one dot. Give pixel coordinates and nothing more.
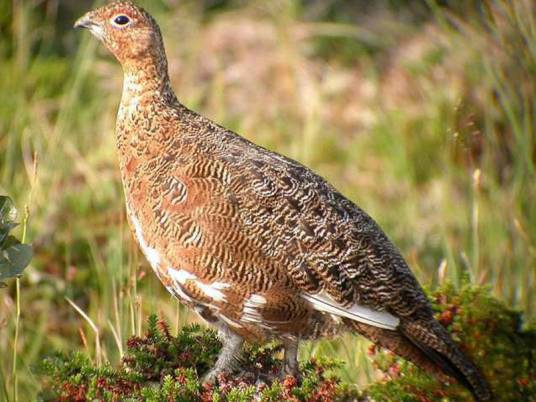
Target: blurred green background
(422, 112)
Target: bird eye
(121, 20)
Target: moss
(162, 367)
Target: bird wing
(334, 253)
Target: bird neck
(147, 96)
(146, 80)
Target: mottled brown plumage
(256, 243)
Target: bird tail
(430, 347)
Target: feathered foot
(290, 362)
(229, 358)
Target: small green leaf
(8, 215)
(4, 231)
(14, 259)
(14, 256)
(8, 212)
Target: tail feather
(441, 362)
(436, 341)
(431, 348)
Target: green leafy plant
(14, 255)
(161, 367)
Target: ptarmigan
(256, 243)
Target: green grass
(428, 123)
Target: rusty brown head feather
(132, 35)
(128, 31)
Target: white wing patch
(256, 299)
(152, 255)
(213, 290)
(381, 319)
(180, 275)
(178, 292)
(250, 312)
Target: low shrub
(162, 367)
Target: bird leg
(290, 362)
(229, 357)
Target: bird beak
(87, 21)
(84, 22)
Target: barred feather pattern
(253, 241)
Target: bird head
(128, 31)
